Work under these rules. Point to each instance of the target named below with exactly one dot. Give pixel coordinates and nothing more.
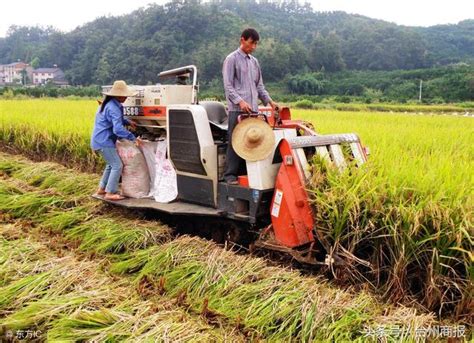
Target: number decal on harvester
(132, 111)
(277, 203)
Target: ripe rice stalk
(407, 245)
(132, 262)
(22, 202)
(277, 303)
(87, 325)
(52, 277)
(47, 175)
(33, 128)
(8, 189)
(7, 166)
(30, 204)
(61, 220)
(82, 303)
(52, 286)
(19, 259)
(37, 312)
(52, 176)
(106, 235)
(176, 326)
(142, 321)
(24, 289)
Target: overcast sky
(66, 15)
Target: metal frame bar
(183, 70)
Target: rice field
(432, 154)
(409, 214)
(51, 129)
(404, 224)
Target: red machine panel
(154, 111)
(291, 214)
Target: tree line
(438, 84)
(295, 40)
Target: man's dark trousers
(233, 160)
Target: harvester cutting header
(269, 205)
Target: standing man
(243, 87)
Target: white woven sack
(148, 148)
(166, 187)
(135, 177)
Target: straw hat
(253, 139)
(120, 88)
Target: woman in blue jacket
(110, 126)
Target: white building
(43, 75)
(14, 73)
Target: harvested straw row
(97, 233)
(47, 175)
(279, 303)
(413, 249)
(77, 187)
(74, 300)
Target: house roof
(15, 64)
(46, 70)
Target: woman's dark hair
(106, 100)
(250, 33)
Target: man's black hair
(250, 33)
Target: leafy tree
(35, 63)
(313, 84)
(325, 53)
(451, 83)
(24, 77)
(103, 72)
(274, 58)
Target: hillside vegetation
(295, 40)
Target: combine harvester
(270, 207)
